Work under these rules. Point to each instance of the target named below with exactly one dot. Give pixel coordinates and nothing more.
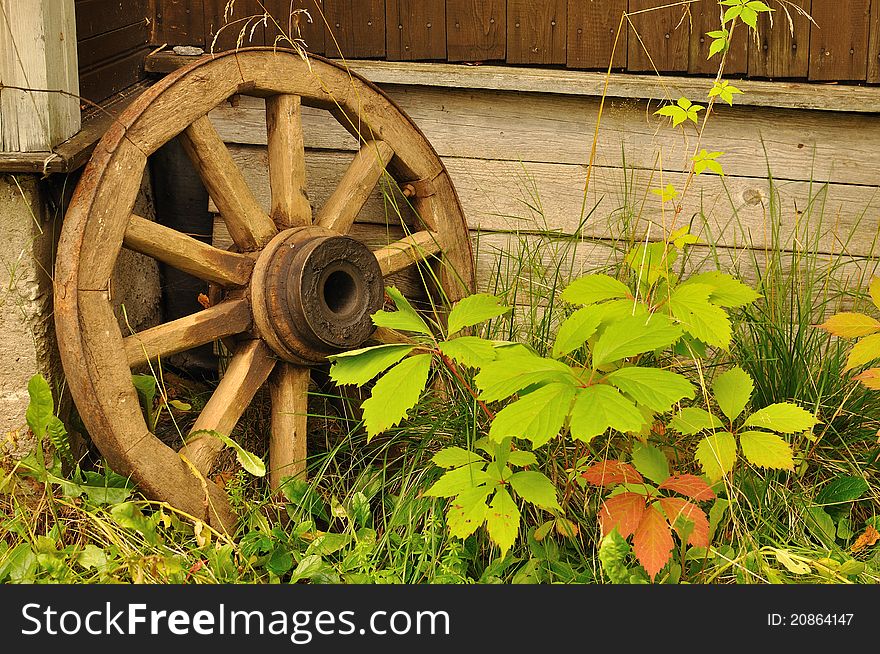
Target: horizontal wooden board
(95, 17)
(540, 197)
(99, 49)
(791, 95)
(528, 270)
(541, 128)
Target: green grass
(363, 518)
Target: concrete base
(29, 230)
(26, 333)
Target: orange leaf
(204, 300)
(611, 473)
(691, 486)
(870, 378)
(652, 543)
(675, 507)
(623, 511)
(867, 539)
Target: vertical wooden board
(415, 29)
(874, 44)
(295, 19)
(660, 34)
(179, 22)
(706, 16)
(839, 40)
(536, 31)
(223, 29)
(476, 30)
(592, 29)
(782, 50)
(355, 28)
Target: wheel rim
(295, 289)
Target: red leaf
(652, 543)
(611, 473)
(623, 511)
(675, 506)
(691, 486)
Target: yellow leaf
(203, 536)
(864, 351)
(867, 539)
(851, 325)
(870, 378)
(793, 565)
(874, 290)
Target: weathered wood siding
(842, 44)
(113, 37)
(518, 161)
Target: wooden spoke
(248, 225)
(358, 182)
(287, 162)
(225, 319)
(407, 251)
(187, 254)
(287, 441)
(247, 371)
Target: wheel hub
(314, 292)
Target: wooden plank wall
(842, 43)
(517, 160)
(113, 37)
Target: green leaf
(538, 416)
(656, 389)
(651, 462)
(821, 525)
(470, 351)
(727, 291)
(602, 406)
(459, 480)
(576, 329)
(454, 457)
(473, 310)
(719, 44)
(406, 318)
(308, 567)
(360, 366)
(248, 460)
(92, 556)
(467, 511)
(732, 390)
(766, 450)
(716, 454)
(690, 304)
(536, 488)
(502, 521)
(842, 489)
(506, 376)
(693, 420)
(864, 351)
(591, 289)
(40, 415)
(652, 261)
(522, 458)
(631, 336)
(396, 393)
(783, 417)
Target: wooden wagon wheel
(295, 289)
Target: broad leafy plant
(650, 513)
(866, 329)
(759, 433)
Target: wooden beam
(38, 51)
(73, 153)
